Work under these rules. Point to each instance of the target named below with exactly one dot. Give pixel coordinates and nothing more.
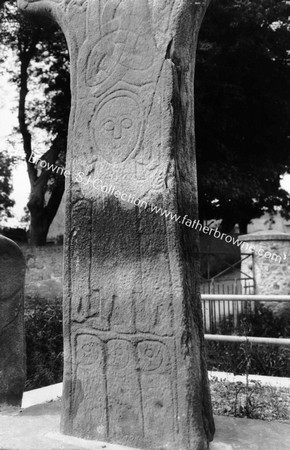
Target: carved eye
(109, 125)
(149, 353)
(87, 349)
(127, 123)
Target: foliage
(5, 185)
(242, 97)
(48, 68)
(252, 358)
(42, 76)
(253, 401)
(44, 343)
(264, 360)
(250, 399)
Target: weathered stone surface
(270, 266)
(44, 275)
(134, 357)
(12, 344)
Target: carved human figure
(90, 386)
(131, 282)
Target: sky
(11, 141)
(285, 183)
(8, 120)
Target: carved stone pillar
(134, 357)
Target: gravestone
(134, 371)
(12, 344)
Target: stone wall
(271, 267)
(56, 229)
(44, 271)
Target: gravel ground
(254, 401)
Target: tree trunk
(243, 225)
(228, 224)
(38, 226)
(41, 215)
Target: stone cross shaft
(134, 358)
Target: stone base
(38, 427)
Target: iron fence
(240, 299)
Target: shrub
(252, 358)
(44, 343)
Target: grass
(253, 401)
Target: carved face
(89, 350)
(153, 356)
(119, 353)
(117, 128)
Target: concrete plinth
(37, 428)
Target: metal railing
(227, 281)
(246, 298)
(230, 266)
(230, 286)
(217, 308)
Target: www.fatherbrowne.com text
(96, 183)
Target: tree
(243, 110)
(5, 185)
(43, 61)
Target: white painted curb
(54, 391)
(276, 382)
(42, 395)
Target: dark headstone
(12, 343)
